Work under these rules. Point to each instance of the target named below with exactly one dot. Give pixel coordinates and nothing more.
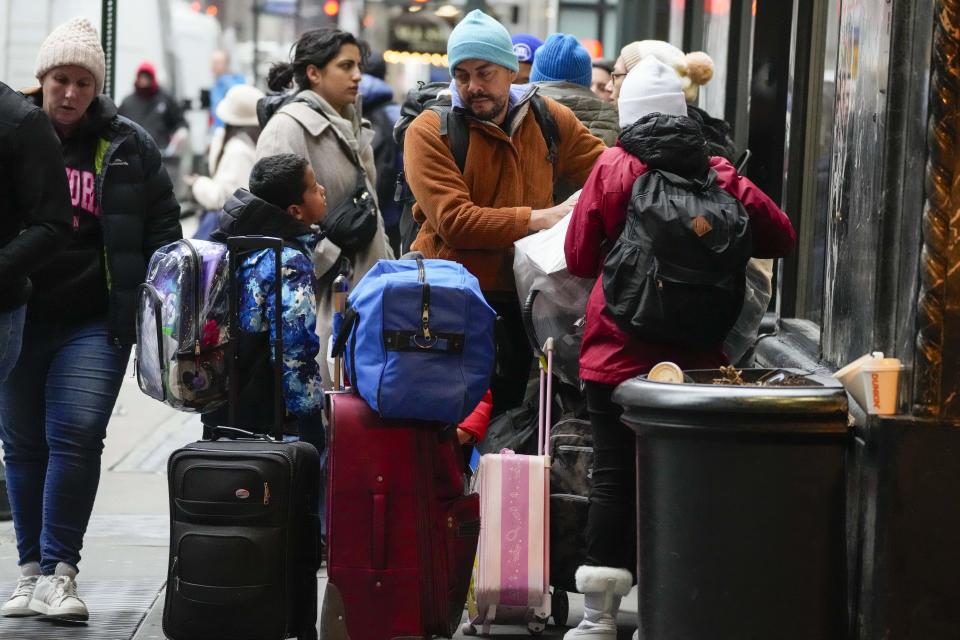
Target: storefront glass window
(676, 22)
(716, 31)
(813, 255)
(578, 22)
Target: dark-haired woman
(324, 125)
(55, 406)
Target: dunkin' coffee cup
(881, 379)
(851, 377)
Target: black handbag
(352, 224)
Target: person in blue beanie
(525, 47)
(562, 70)
(519, 144)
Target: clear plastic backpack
(182, 326)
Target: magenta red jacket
(607, 354)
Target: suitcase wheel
(560, 607)
(468, 629)
(536, 627)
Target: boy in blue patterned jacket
(286, 202)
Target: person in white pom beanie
(694, 69)
(651, 87)
(658, 135)
(80, 321)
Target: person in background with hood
(383, 112)
(323, 124)
(155, 110)
(56, 404)
(525, 48)
(658, 134)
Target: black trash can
(740, 506)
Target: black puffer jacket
(671, 143)
(138, 212)
(34, 196)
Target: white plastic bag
(539, 264)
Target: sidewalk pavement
(124, 563)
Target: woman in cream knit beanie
(695, 69)
(75, 42)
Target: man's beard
(497, 108)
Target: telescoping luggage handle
(546, 398)
(243, 245)
(340, 287)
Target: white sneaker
(56, 596)
(18, 605)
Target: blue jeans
(54, 410)
(11, 335)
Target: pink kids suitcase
(512, 573)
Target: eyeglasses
(616, 76)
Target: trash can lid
(812, 402)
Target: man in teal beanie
(480, 36)
(515, 145)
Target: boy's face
(314, 205)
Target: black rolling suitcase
(244, 530)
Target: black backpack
(676, 275)
(435, 96)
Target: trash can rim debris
(825, 397)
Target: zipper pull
(196, 348)
(266, 493)
(398, 188)
(425, 320)
(659, 284)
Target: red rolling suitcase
(401, 534)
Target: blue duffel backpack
(417, 339)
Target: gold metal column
(937, 374)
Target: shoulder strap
(455, 129)
(548, 126)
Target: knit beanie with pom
(562, 58)
(695, 69)
(75, 42)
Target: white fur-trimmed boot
(602, 589)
